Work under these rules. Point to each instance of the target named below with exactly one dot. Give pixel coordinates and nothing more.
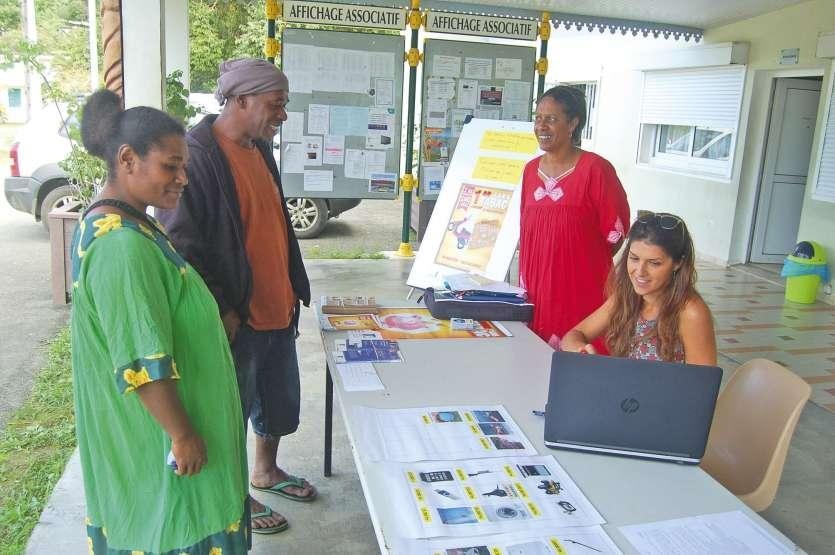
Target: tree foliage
(9, 17)
(62, 37)
(176, 98)
(220, 30)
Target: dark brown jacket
(206, 226)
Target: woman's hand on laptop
(575, 341)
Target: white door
(794, 112)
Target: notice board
(460, 79)
(475, 225)
(342, 134)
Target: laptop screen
(633, 407)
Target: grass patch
(355, 253)
(35, 447)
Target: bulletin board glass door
(342, 137)
(461, 79)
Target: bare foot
(269, 479)
(270, 521)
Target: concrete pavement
(28, 317)
(338, 522)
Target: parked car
(308, 215)
(37, 185)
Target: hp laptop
(640, 408)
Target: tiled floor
(753, 320)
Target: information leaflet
(584, 540)
(440, 433)
(480, 496)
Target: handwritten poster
(509, 141)
(502, 170)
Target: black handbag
(444, 305)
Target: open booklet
(481, 285)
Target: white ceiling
(702, 14)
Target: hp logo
(629, 405)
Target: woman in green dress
(157, 409)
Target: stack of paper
(359, 376)
(481, 285)
(728, 533)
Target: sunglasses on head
(662, 220)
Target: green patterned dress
(141, 313)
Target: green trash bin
(804, 269)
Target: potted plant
(86, 175)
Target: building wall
(795, 27)
(14, 78)
(707, 205)
(718, 212)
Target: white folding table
(514, 372)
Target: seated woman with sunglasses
(653, 311)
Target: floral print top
(645, 343)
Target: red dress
(568, 227)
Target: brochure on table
(366, 350)
(581, 540)
(475, 224)
(478, 496)
(440, 433)
(408, 323)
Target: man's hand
(231, 323)
(190, 453)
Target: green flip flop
(267, 512)
(291, 481)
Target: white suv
(36, 184)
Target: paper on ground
(440, 433)
(484, 496)
(580, 540)
(731, 533)
(359, 376)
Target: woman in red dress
(574, 215)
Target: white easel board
(475, 225)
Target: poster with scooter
(473, 227)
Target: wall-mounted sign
(789, 56)
(482, 25)
(296, 11)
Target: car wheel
(308, 216)
(58, 197)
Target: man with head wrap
(232, 225)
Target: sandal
(291, 481)
(266, 513)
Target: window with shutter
(690, 118)
(825, 184)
